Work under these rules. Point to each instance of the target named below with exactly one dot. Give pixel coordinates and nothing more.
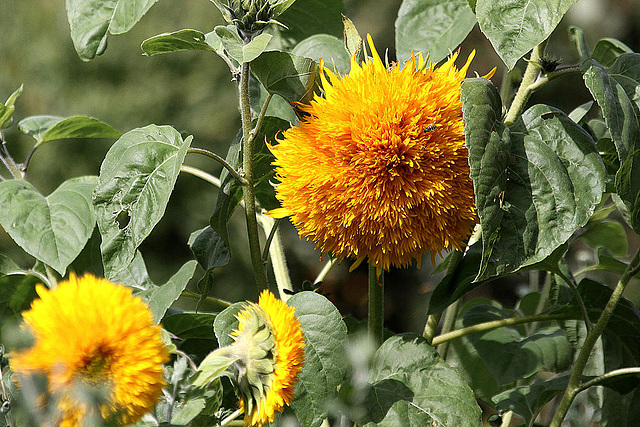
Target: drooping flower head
(378, 168)
(91, 334)
(269, 353)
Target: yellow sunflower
(269, 352)
(90, 334)
(378, 168)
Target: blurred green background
(194, 92)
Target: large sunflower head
(93, 335)
(378, 168)
(269, 353)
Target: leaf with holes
(137, 177)
(53, 229)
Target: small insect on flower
(378, 168)
(93, 337)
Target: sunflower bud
(252, 16)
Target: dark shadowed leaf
(292, 77)
(137, 177)
(308, 17)
(536, 183)
(17, 290)
(436, 27)
(514, 27)
(209, 248)
(607, 50)
(440, 396)
(53, 229)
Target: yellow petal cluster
(279, 354)
(378, 168)
(92, 334)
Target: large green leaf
(324, 358)
(137, 177)
(17, 290)
(440, 396)
(449, 22)
(305, 18)
(330, 48)
(90, 20)
(616, 90)
(609, 235)
(490, 360)
(194, 332)
(51, 128)
(607, 50)
(175, 42)
(536, 183)
(292, 77)
(514, 27)
(53, 229)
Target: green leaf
(449, 23)
(175, 42)
(53, 229)
(489, 360)
(7, 109)
(90, 20)
(606, 234)
(209, 248)
(440, 396)
(137, 177)
(305, 18)
(160, 298)
(352, 39)
(616, 92)
(213, 366)
(607, 50)
(536, 183)
(292, 77)
(135, 275)
(331, 49)
(17, 291)
(527, 400)
(605, 262)
(580, 111)
(194, 332)
(324, 362)
(236, 48)
(225, 322)
(576, 35)
(514, 27)
(7, 266)
(51, 128)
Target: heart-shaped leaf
(53, 229)
(137, 177)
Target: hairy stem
(276, 254)
(375, 319)
(573, 388)
(248, 190)
(524, 91)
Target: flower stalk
(573, 388)
(248, 191)
(375, 320)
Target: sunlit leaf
(329, 48)
(514, 27)
(436, 27)
(175, 42)
(53, 229)
(137, 177)
(51, 128)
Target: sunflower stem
(222, 304)
(248, 190)
(524, 91)
(573, 388)
(375, 319)
(201, 174)
(447, 326)
(231, 417)
(276, 254)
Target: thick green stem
(248, 190)
(201, 174)
(573, 388)
(494, 324)
(276, 254)
(574, 290)
(609, 375)
(222, 304)
(447, 326)
(524, 91)
(431, 327)
(376, 305)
